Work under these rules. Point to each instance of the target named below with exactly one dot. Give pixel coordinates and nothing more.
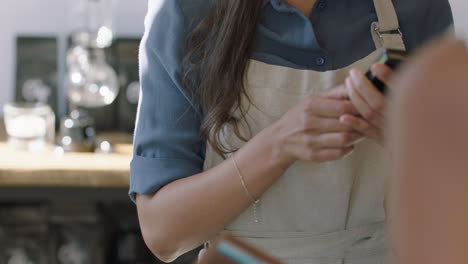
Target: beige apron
(325, 213)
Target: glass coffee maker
(91, 82)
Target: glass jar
(29, 126)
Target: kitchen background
(52, 18)
(57, 206)
(64, 207)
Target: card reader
(390, 57)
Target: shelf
(48, 169)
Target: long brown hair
(221, 47)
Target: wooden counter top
(48, 169)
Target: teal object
(237, 254)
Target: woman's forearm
(186, 213)
(190, 211)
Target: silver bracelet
(249, 195)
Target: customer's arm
(430, 142)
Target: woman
(431, 150)
(251, 121)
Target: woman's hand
(312, 130)
(368, 101)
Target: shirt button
(322, 5)
(320, 61)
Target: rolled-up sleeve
(167, 144)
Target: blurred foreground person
(430, 140)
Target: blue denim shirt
(167, 145)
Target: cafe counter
(35, 175)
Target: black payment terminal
(390, 57)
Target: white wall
(50, 17)
(460, 12)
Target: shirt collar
(280, 5)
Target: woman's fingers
(382, 72)
(331, 154)
(329, 108)
(375, 99)
(360, 125)
(335, 140)
(318, 125)
(364, 108)
(338, 93)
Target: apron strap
(386, 32)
